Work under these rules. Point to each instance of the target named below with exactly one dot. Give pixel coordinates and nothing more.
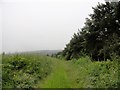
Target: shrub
(24, 71)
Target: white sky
(28, 25)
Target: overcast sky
(28, 25)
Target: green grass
(58, 78)
(26, 71)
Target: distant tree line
(100, 37)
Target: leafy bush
(24, 71)
(87, 74)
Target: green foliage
(104, 74)
(24, 71)
(87, 74)
(75, 48)
(99, 37)
(34, 71)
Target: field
(37, 71)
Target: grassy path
(59, 78)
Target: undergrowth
(24, 71)
(35, 71)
